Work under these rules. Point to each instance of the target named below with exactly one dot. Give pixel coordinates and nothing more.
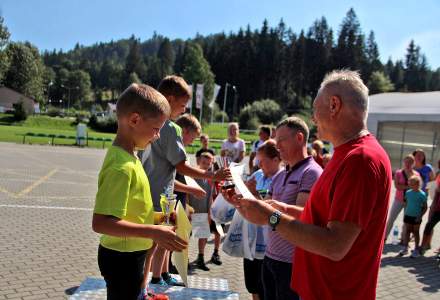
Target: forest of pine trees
(267, 63)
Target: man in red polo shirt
(339, 235)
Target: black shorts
(123, 272)
(411, 220)
(213, 228)
(252, 276)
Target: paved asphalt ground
(47, 247)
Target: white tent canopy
(404, 107)
(405, 121)
(406, 103)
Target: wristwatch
(275, 219)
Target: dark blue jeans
(276, 280)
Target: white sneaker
(415, 253)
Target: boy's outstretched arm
(162, 235)
(184, 188)
(186, 169)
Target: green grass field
(11, 131)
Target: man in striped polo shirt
(291, 186)
(339, 235)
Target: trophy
(167, 204)
(224, 162)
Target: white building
(9, 97)
(111, 109)
(403, 122)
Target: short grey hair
(349, 86)
(296, 124)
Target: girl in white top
(233, 147)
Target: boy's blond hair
(189, 122)
(318, 144)
(144, 100)
(414, 179)
(173, 85)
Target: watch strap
(275, 219)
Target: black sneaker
(215, 259)
(201, 264)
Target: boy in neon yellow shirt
(123, 211)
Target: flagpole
(201, 110)
(212, 112)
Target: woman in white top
(233, 147)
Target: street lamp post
(69, 88)
(234, 106)
(225, 99)
(48, 91)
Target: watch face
(273, 219)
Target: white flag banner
(214, 96)
(190, 101)
(199, 96)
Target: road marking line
(13, 195)
(37, 183)
(46, 207)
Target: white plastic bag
(241, 238)
(245, 239)
(261, 242)
(233, 243)
(221, 211)
(249, 239)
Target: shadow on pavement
(391, 248)
(425, 268)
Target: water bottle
(395, 240)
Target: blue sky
(59, 24)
